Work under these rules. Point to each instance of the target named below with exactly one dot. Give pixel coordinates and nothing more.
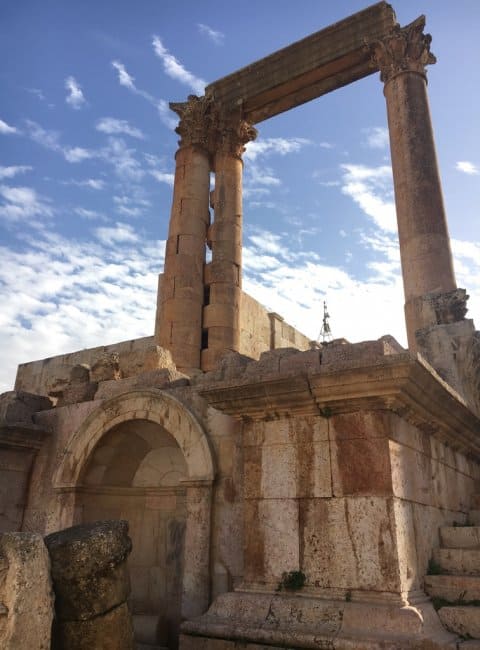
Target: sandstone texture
(26, 597)
(91, 583)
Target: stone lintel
(400, 383)
(329, 59)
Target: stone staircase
(454, 580)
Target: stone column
(223, 275)
(424, 240)
(180, 302)
(196, 572)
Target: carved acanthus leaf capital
(406, 49)
(195, 121)
(232, 133)
(204, 124)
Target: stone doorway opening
(135, 473)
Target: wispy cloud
(75, 97)
(23, 204)
(377, 137)
(65, 295)
(51, 140)
(174, 69)
(6, 129)
(268, 146)
(162, 177)
(214, 35)
(123, 159)
(92, 183)
(371, 188)
(91, 215)
(467, 167)
(121, 233)
(112, 126)
(132, 205)
(126, 80)
(13, 170)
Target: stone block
(458, 561)
(26, 598)
(453, 588)
(20, 406)
(460, 536)
(89, 569)
(464, 621)
(361, 467)
(110, 631)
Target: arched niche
(145, 457)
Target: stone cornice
(406, 49)
(399, 383)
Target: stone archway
(144, 456)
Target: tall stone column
(422, 226)
(223, 275)
(181, 294)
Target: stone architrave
(179, 315)
(223, 275)
(426, 257)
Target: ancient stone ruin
(278, 494)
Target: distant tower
(325, 335)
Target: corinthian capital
(211, 127)
(406, 49)
(232, 133)
(195, 123)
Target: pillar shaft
(179, 322)
(425, 252)
(221, 316)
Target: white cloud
(51, 140)
(268, 146)
(121, 233)
(123, 159)
(91, 215)
(174, 69)
(371, 188)
(325, 145)
(124, 78)
(75, 97)
(78, 154)
(6, 129)
(92, 183)
(377, 137)
(467, 167)
(163, 177)
(13, 170)
(214, 35)
(113, 126)
(23, 204)
(64, 295)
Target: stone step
(452, 588)
(474, 517)
(458, 561)
(461, 620)
(460, 536)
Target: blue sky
(87, 157)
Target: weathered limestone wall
(260, 331)
(26, 597)
(42, 376)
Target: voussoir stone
(89, 568)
